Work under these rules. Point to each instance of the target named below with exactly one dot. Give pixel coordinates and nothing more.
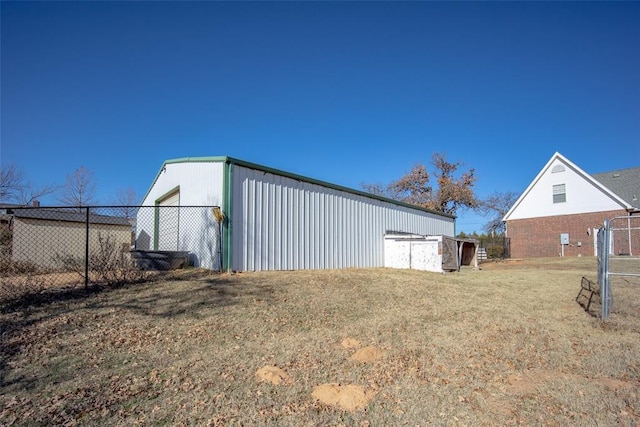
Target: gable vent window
(559, 193)
(557, 168)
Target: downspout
(156, 225)
(227, 208)
(629, 232)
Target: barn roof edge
(267, 169)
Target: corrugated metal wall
(281, 223)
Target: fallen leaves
(171, 354)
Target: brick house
(560, 212)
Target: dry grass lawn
(506, 345)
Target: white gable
(583, 193)
(199, 183)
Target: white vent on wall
(557, 168)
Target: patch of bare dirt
(549, 263)
(499, 406)
(273, 375)
(501, 264)
(347, 397)
(613, 384)
(350, 343)
(529, 381)
(367, 354)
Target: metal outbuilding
(275, 220)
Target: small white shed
(429, 253)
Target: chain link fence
(619, 266)
(493, 248)
(63, 247)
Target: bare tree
(79, 189)
(377, 189)
(15, 189)
(11, 181)
(128, 199)
(495, 206)
(451, 194)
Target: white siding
(280, 223)
(581, 195)
(413, 252)
(200, 184)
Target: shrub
(107, 263)
(18, 288)
(495, 251)
(9, 267)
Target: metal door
(168, 219)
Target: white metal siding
(200, 184)
(280, 223)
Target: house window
(559, 193)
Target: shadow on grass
(192, 299)
(193, 295)
(44, 297)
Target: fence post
(86, 253)
(605, 286)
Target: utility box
(564, 238)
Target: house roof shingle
(624, 182)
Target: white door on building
(168, 222)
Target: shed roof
(68, 215)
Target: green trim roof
(255, 166)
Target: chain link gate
(618, 256)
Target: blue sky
(346, 92)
